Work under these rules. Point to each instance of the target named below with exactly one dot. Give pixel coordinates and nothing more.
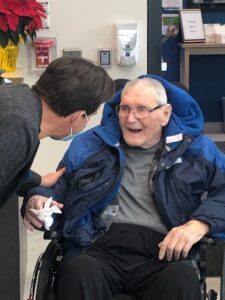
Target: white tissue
(44, 214)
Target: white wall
(88, 24)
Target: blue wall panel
(207, 84)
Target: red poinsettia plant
(19, 18)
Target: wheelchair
(46, 271)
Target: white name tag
(174, 138)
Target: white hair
(146, 82)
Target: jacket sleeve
(32, 180)
(17, 147)
(192, 187)
(212, 207)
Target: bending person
(60, 103)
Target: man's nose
(131, 116)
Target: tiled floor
(36, 245)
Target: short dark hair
(70, 84)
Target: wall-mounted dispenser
(127, 43)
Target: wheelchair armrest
(214, 239)
(219, 236)
(52, 235)
(207, 241)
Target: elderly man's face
(146, 132)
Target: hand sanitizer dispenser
(127, 44)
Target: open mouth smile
(134, 130)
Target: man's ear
(77, 114)
(167, 111)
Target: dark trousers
(124, 260)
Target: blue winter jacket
(189, 182)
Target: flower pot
(8, 57)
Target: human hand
(179, 240)
(51, 178)
(31, 220)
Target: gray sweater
(20, 120)
(136, 203)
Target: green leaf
(4, 38)
(14, 37)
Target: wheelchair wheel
(43, 286)
(212, 295)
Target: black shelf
(206, 5)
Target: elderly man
(134, 199)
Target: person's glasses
(140, 112)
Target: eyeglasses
(140, 112)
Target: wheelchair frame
(43, 283)
(44, 280)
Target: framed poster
(192, 28)
(172, 4)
